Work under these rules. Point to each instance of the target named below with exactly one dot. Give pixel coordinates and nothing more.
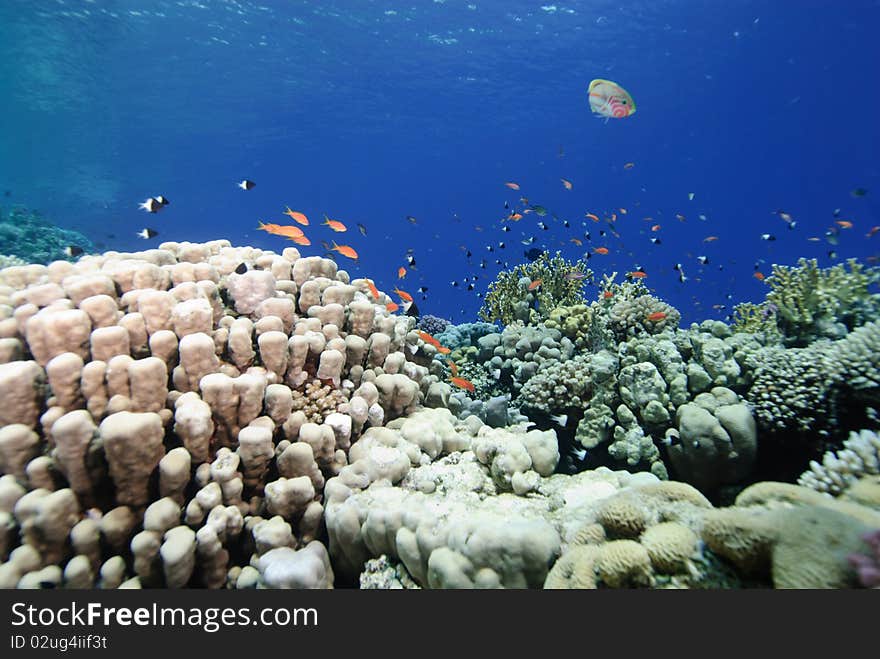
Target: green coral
(509, 299)
(806, 302)
(574, 322)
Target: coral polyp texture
(203, 415)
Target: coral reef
(28, 236)
(806, 302)
(244, 393)
(531, 291)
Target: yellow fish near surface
(608, 99)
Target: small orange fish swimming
(628, 165)
(301, 240)
(566, 183)
(533, 285)
(391, 307)
(593, 217)
(637, 274)
(300, 218)
(512, 185)
(600, 250)
(514, 217)
(655, 317)
(607, 295)
(656, 227)
(759, 276)
(406, 297)
(443, 350)
(453, 369)
(427, 338)
(287, 231)
(577, 241)
(710, 239)
(461, 382)
(623, 211)
(844, 224)
(373, 290)
(401, 272)
(872, 231)
(337, 226)
(345, 250)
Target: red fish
(512, 185)
(566, 183)
(462, 383)
(391, 307)
(759, 276)
(601, 250)
(406, 297)
(637, 274)
(607, 295)
(535, 284)
(657, 316)
(373, 289)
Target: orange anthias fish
(401, 272)
(607, 295)
(710, 239)
(844, 224)
(461, 382)
(577, 241)
(345, 250)
(637, 274)
(301, 240)
(872, 231)
(657, 316)
(391, 307)
(443, 350)
(337, 226)
(453, 369)
(535, 284)
(406, 297)
(566, 183)
(298, 217)
(593, 217)
(656, 227)
(600, 250)
(373, 290)
(287, 231)
(512, 185)
(623, 211)
(514, 217)
(759, 276)
(427, 338)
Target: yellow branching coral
(806, 302)
(554, 282)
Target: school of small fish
(607, 100)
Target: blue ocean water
(372, 111)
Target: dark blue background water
(372, 111)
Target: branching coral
(859, 457)
(806, 302)
(561, 283)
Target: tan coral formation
(166, 378)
